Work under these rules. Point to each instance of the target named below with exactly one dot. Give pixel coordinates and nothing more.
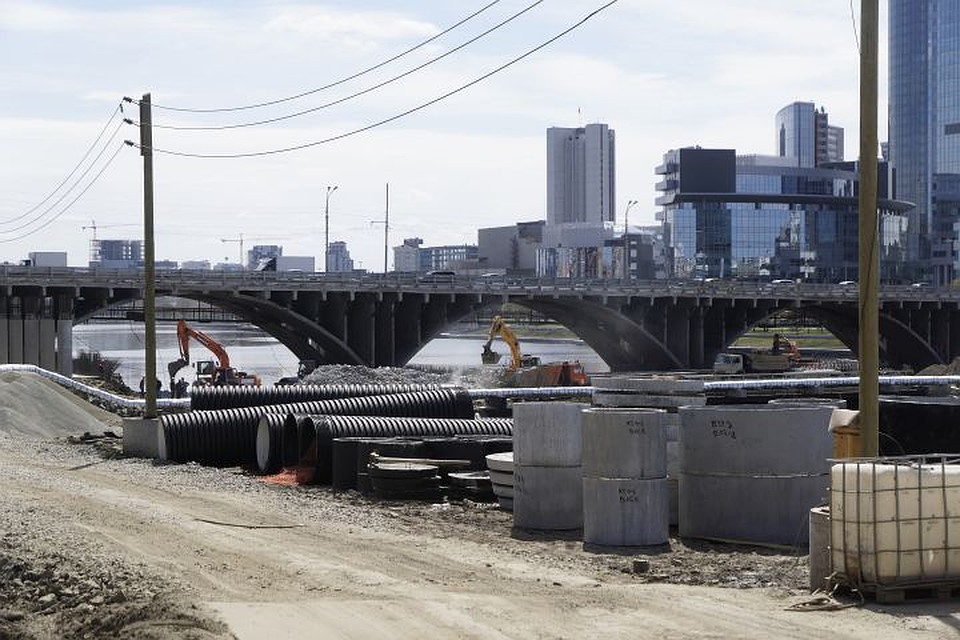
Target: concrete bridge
(384, 320)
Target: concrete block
(141, 437)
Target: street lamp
(326, 230)
(626, 250)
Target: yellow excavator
(528, 371)
(209, 373)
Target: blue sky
(663, 75)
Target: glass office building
(762, 217)
(924, 117)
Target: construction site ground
(94, 545)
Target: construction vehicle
(209, 372)
(304, 368)
(782, 356)
(529, 371)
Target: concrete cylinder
(547, 434)
(752, 473)
(621, 512)
(547, 497)
(624, 443)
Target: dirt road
(127, 548)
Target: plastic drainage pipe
(231, 397)
(317, 432)
(228, 437)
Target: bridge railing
(14, 275)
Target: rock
(47, 599)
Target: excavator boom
(224, 373)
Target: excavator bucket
(489, 356)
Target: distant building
(195, 265)
(116, 254)
(47, 258)
(338, 258)
(805, 135)
(305, 264)
(575, 251)
(512, 248)
(581, 175)
(258, 253)
(448, 257)
(763, 217)
(411, 257)
(406, 257)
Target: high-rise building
(339, 257)
(924, 120)
(580, 175)
(804, 134)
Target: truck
(782, 356)
(208, 372)
(528, 371)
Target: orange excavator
(528, 371)
(209, 373)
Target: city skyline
(473, 160)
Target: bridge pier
(386, 337)
(361, 327)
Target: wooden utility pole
(149, 293)
(869, 351)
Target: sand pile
(34, 406)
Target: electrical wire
(70, 204)
(358, 93)
(332, 84)
(119, 109)
(66, 193)
(379, 123)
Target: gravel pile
(36, 407)
(356, 374)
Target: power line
(332, 84)
(66, 193)
(73, 171)
(70, 204)
(379, 123)
(358, 93)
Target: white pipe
(131, 404)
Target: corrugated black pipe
(228, 437)
(234, 397)
(316, 434)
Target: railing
(173, 280)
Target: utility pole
(326, 230)
(869, 389)
(386, 228)
(149, 292)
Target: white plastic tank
(896, 520)
(752, 473)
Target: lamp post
(326, 230)
(626, 250)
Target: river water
(255, 352)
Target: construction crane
(94, 226)
(240, 240)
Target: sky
(663, 75)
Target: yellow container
(845, 427)
(846, 442)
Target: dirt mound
(951, 369)
(33, 406)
